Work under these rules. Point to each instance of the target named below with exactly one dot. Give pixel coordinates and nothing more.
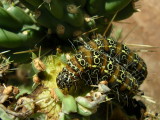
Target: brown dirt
(147, 32)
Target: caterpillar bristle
(143, 48)
(26, 51)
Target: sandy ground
(147, 32)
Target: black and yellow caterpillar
(121, 53)
(103, 59)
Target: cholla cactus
(26, 24)
(52, 22)
(72, 18)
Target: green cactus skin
(59, 93)
(86, 103)
(80, 3)
(69, 104)
(84, 111)
(56, 8)
(33, 37)
(23, 18)
(125, 13)
(12, 40)
(46, 19)
(113, 6)
(63, 30)
(89, 22)
(35, 3)
(95, 8)
(28, 5)
(8, 21)
(1, 5)
(74, 15)
(62, 116)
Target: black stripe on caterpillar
(92, 66)
(119, 52)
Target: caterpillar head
(63, 80)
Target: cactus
(67, 19)
(37, 30)
(73, 14)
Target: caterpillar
(121, 53)
(103, 59)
